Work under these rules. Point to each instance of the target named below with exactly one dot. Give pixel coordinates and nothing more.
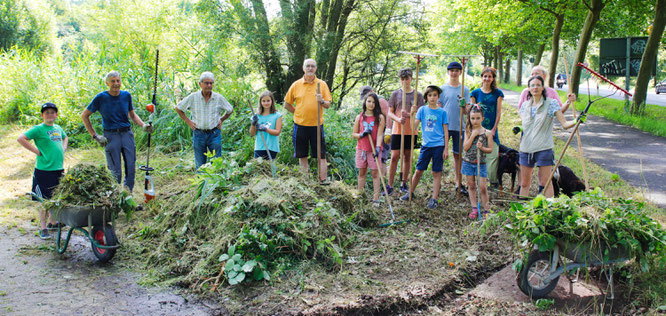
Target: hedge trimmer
(148, 186)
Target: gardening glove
(262, 127)
(148, 128)
(582, 118)
(367, 131)
(254, 119)
(517, 130)
(376, 153)
(101, 140)
(461, 102)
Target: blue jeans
(203, 142)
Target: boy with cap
(50, 146)
(452, 102)
(401, 116)
(434, 131)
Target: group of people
(436, 112)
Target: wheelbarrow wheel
(532, 277)
(104, 236)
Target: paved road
(652, 98)
(638, 157)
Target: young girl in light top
(367, 126)
(536, 145)
(268, 123)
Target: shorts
(263, 154)
(428, 153)
(43, 182)
(469, 169)
(304, 138)
(455, 136)
(364, 159)
(540, 158)
(395, 142)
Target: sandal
(376, 203)
(474, 214)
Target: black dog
(508, 163)
(567, 182)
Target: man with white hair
(206, 109)
(116, 108)
(302, 99)
(550, 92)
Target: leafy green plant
(544, 303)
(237, 270)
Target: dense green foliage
(589, 218)
(239, 217)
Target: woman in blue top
(269, 123)
(490, 99)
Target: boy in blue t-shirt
(435, 132)
(50, 146)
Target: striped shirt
(206, 115)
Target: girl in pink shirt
(367, 126)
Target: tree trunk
(554, 56)
(500, 70)
(649, 56)
(585, 34)
(496, 62)
(299, 16)
(539, 55)
(507, 69)
(269, 56)
(519, 68)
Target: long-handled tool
(263, 140)
(388, 197)
(589, 103)
(148, 185)
(319, 136)
(573, 110)
(413, 108)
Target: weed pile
(589, 218)
(240, 224)
(89, 186)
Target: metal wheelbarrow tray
(92, 223)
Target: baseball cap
(365, 90)
(49, 105)
(454, 65)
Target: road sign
(617, 55)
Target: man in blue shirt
(116, 108)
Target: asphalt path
(652, 98)
(636, 156)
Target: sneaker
(324, 182)
(404, 188)
(44, 234)
(474, 214)
(463, 190)
(432, 204)
(406, 197)
(494, 186)
(389, 189)
(376, 203)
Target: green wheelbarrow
(96, 224)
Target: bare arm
(289, 107)
(571, 98)
(380, 131)
(356, 131)
(25, 142)
(489, 149)
(563, 121)
(391, 115)
(135, 118)
(187, 120)
(278, 128)
(85, 117)
(469, 139)
(65, 143)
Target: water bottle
(149, 192)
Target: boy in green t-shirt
(50, 146)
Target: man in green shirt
(50, 146)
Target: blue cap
(454, 65)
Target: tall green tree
(649, 56)
(23, 25)
(594, 12)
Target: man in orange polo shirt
(302, 99)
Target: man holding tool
(116, 108)
(400, 104)
(206, 108)
(305, 98)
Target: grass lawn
(652, 122)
